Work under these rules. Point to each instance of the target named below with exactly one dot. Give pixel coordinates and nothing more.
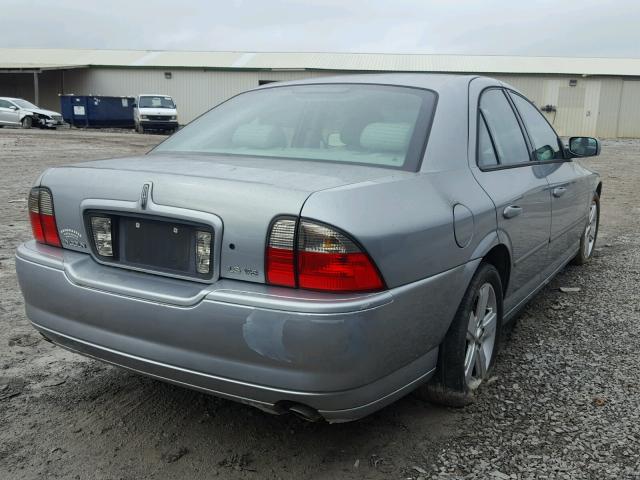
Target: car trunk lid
(237, 197)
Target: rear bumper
(344, 356)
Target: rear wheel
(27, 122)
(469, 349)
(590, 234)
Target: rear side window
(486, 153)
(504, 128)
(4, 104)
(544, 138)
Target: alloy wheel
(481, 336)
(591, 230)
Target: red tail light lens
(329, 260)
(42, 217)
(324, 259)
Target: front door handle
(511, 211)
(559, 191)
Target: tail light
(280, 253)
(323, 259)
(42, 216)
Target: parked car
(155, 112)
(19, 112)
(321, 247)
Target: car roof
(433, 81)
(11, 98)
(154, 95)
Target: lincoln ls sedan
(320, 247)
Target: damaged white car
(21, 113)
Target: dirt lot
(564, 402)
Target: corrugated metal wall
(599, 106)
(194, 91)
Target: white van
(155, 112)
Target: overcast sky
(505, 27)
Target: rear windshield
(348, 123)
(156, 102)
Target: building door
(628, 121)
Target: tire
(590, 234)
(465, 360)
(27, 122)
(139, 128)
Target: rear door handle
(511, 211)
(559, 191)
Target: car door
(570, 195)
(8, 116)
(518, 188)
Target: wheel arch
(500, 258)
(599, 189)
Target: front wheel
(468, 352)
(590, 234)
(27, 122)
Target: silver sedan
(18, 112)
(319, 247)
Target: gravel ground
(564, 402)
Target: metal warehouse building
(580, 96)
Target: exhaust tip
(305, 412)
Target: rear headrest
(259, 136)
(386, 137)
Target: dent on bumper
(253, 343)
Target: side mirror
(134, 104)
(584, 147)
(13, 107)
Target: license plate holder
(158, 245)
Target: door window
(4, 104)
(504, 128)
(544, 138)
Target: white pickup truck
(155, 112)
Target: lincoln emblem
(144, 196)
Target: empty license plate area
(160, 245)
(153, 244)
